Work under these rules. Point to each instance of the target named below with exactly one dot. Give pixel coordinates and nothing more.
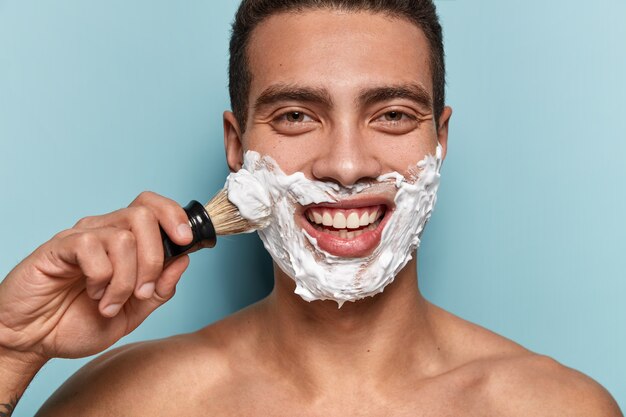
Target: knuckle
(145, 196)
(96, 279)
(141, 213)
(84, 222)
(63, 234)
(87, 240)
(175, 211)
(153, 264)
(102, 273)
(163, 297)
(125, 239)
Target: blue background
(101, 100)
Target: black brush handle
(201, 226)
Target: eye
(396, 122)
(294, 117)
(294, 122)
(393, 116)
(396, 116)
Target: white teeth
(340, 221)
(343, 233)
(353, 221)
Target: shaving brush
(218, 217)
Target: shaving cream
(266, 196)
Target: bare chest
(435, 400)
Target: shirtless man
(341, 95)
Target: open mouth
(347, 230)
(345, 224)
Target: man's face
(342, 97)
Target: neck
(374, 339)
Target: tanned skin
(395, 354)
(8, 408)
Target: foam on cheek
(268, 197)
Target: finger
(166, 288)
(63, 233)
(96, 267)
(150, 254)
(170, 215)
(122, 250)
(166, 285)
(145, 227)
(86, 251)
(143, 218)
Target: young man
(341, 92)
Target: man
(342, 92)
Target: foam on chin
(265, 195)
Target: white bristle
(225, 216)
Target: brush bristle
(225, 216)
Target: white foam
(265, 195)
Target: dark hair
(252, 12)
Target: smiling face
(342, 97)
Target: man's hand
(89, 286)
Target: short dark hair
(252, 12)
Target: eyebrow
(284, 92)
(413, 92)
(316, 95)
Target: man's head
(344, 97)
(252, 12)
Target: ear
(232, 142)
(442, 131)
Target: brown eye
(396, 122)
(393, 116)
(295, 117)
(294, 122)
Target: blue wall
(101, 100)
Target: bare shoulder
(510, 380)
(160, 377)
(531, 384)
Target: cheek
(403, 155)
(298, 154)
(291, 154)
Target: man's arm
(16, 370)
(87, 287)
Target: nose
(346, 158)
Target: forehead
(337, 50)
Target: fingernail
(99, 294)
(146, 290)
(184, 231)
(111, 310)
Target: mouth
(349, 228)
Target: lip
(357, 247)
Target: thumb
(164, 291)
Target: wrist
(17, 370)
(21, 365)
